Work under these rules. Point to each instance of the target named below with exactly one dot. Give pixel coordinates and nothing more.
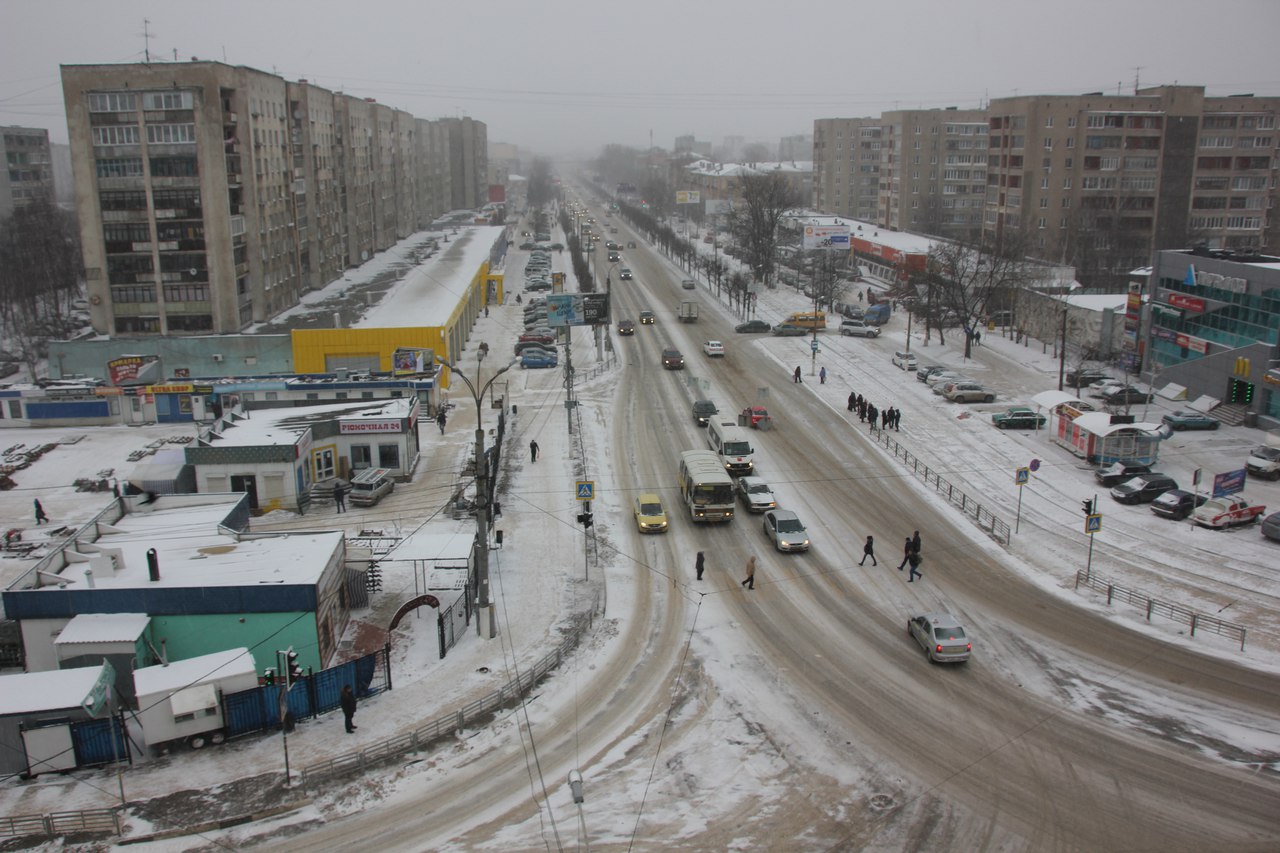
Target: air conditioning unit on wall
(217, 356)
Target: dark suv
(1117, 472)
(1143, 489)
(703, 410)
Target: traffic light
(584, 518)
(295, 671)
(269, 677)
(1088, 507)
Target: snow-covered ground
(538, 574)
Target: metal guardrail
(56, 824)
(445, 726)
(982, 515)
(1155, 607)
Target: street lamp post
(485, 622)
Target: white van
(368, 487)
(733, 445)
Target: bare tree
(962, 279)
(40, 265)
(754, 221)
(541, 189)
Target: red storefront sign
(1191, 303)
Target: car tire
(1002, 426)
(1178, 427)
(990, 398)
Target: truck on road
(687, 311)
(878, 314)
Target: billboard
(1230, 483)
(412, 360)
(577, 309)
(826, 237)
(688, 196)
(133, 370)
(719, 207)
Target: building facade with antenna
(213, 196)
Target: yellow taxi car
(650, 516)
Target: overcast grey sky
(566, 77)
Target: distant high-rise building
(933, 171)
(469, 162)
(213, 196)
(846, 166)
(796, 147)
(28, 167)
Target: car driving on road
(752, 326)
(785, 530)
(942, 636)
(755, 494)
(649, 514)
(713, 349)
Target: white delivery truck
(688, 311)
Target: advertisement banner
(826, 237)
(1191, 303)
(1229, 483)
(133, 370)
(412, 360)
(688, 196)
(1194, 344)
(577, 309)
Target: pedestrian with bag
(339, 497)
(915, 567)
(41, 518)
(750, 580)
(906, 554)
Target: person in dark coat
(795, 377)
(533, 451)
(853, 401)
(340, 497)
(871, 417)
(884, 417)
(915, 567)
(348, 703)
(700, 564)
(869, 550)
(750, 580)
(822, 376)
(906, 553)
(915, 542)
(41, 518)
(440, 421)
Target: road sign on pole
(586, 490)
(1093, 523)
(1022, 476)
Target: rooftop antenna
(146, 40)
(1137, 77)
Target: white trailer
(183, 700)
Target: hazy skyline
(564, 77)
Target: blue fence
(258, 709)
(99, 741)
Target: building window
(158, 134)
(167, 101)
(1044, 223)
(361, 456)
(119, 168)
(1044, 202)
(1071, 142)
(388, 456)
(116, 134)
(137, 325)
(1048, 121)
(113, 102)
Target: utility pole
(486, 624)
(1062, 353)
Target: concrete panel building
(468, 162)
(211, 196)
(28, 172)
(933, 171)
(846, 166)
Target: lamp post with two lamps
(484, 607)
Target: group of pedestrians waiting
(886, 419)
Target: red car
(537, 339)
(753, 415)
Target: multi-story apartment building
(1096, 181)
(469, 155)
(212, 196)
(933, 171)
(28, 167)
(796, 147)
(846, 166)
(1102, 181)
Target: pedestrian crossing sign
(1023, 476)
(586, 490)
(1092, 523)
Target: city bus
(705, 487)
